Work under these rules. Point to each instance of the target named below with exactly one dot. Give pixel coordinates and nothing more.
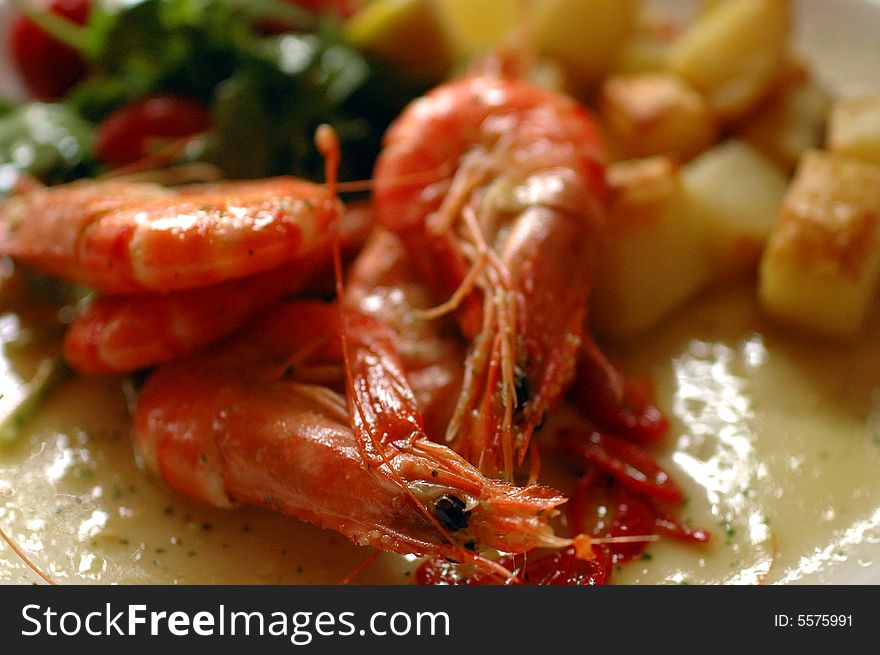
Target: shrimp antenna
(360, 568)
(164, 156)
(327, 142)
(24, 558)
(418, 178)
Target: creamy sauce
(778, 438)
(775, 438)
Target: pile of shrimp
(401, 412)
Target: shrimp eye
(450, 511)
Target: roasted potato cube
(656, 114)
(708, 5)
(789, 122)
(646, 49)
(733, 52)
(822, 264)
(854, 128)
(734, 193)
(582, 35)
(641, 53)
(652, 259)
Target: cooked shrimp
(384, 284)
(130, 237)
(120, 334)
(262, 420)
(506, 229)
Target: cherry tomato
(48, 68)
(601, 507)
(622, 406)
(341, 8)
(133, 131)
(604, 509)
(633, 467)
(438, 571)
(562, 567)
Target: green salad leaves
(268, 72)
